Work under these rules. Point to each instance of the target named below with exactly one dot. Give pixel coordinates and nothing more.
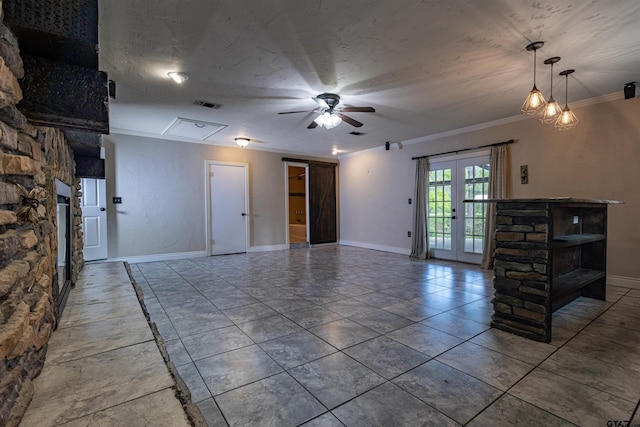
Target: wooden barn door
(322, 203)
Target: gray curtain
(498, 169)
(420, 242)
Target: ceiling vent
(356, 133)
(192, 129)
(207, 104)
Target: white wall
(599, 159)
(162, 185)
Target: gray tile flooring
(338, 335)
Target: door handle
(102, 209)
(453, 217)
(244, 214)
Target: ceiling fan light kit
(328, 120)
(535, 102)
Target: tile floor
(103, 366)
(338, 335)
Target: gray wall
(162, 185)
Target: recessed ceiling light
(178, 77)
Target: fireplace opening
(62, 282)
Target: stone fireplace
(31, 288)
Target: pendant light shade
(549, 114)
(535, 102)
(566, 119)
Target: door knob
(453, 217)
(243, 214)
(102, 209)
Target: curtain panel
(420, 241)
(498, 170)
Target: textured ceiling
(425, 66)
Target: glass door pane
(441, 201)
(474, 185)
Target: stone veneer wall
(522, 292)
(32, 157)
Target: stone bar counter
(548, 252)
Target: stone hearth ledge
(98, 373)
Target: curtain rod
(511, 141)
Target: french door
(456, 229)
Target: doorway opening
(297, 204)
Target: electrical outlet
(409, 201)
(408, 234)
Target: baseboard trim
(159, 257)
(383, 248)
(268, 248)
(626, 282)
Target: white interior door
(94, 218)
(456, 229)
(229, 211)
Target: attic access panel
(192, 129)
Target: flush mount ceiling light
(566, 119)
(550, 112)
(328, 120)
(178, 77)
(242, 142)
(535, 101)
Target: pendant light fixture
(551, 111)
(566, 119)
(535, 101)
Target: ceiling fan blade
(321, 102)
(312, 125)
(295, 112)
(358, 109)
(349, 120)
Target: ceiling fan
(330, 114)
